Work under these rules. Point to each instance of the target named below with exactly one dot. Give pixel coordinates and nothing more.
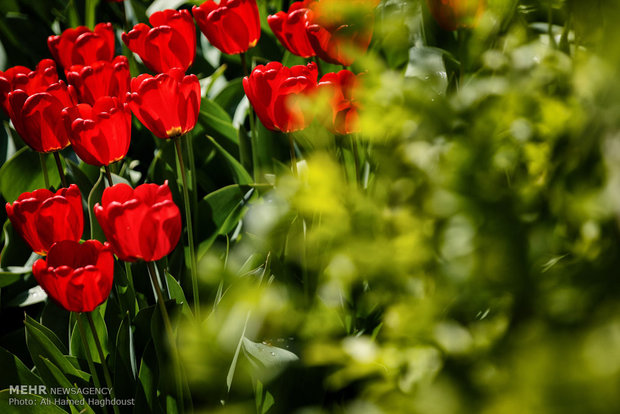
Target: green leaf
(57, 320)
(146, 395)
(126, 370)
(230, 96)
(64, 382)
(221, 211)
(14, 371)
(22, 173)
(29, 297)
(11, 274)
(176, 293)
(268, 360)
(94, 197)
(77, 348)
(233, 363)
(240, 174)
(42, 343)
(216, 122)
(41, 404)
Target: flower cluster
(93, 110)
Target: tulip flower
(290, 28)
(167, 104)
(77, 276)
(81, 46)
(232, 26)
(170, 43)
(456, 14)
(272, 91)
(101, 78)
(34, 101)
(341, 87)
(333, 37)
(43, 218)
(141, 224)
(30, 81)
(100, 134)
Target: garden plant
(319, 206)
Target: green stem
(169, 332)
(356, 159)
(129, 275)
(193, 185)
(291, 143)
(46, 177)
(61, 171)
(89, 358)
(108, 175)
(89, 13)
(318, 66)
(190, 230)
(104, 364)
(250, 148)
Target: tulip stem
(108, 175)
(356, 159)
(244, 148)
(190, 231)
(89, 357)
(169, 332)
(61, 171)
(291, 143)
(106, 372)
(318, 66)
(46, 177)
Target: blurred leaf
(22, 173)
(159, 5)
(11, 274)
(268, 357)
(33, 295)
(233, 363)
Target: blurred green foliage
(470, 262)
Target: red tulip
(77, 276)
(140, 224)
(335, 39)
(290, 28)
(34, 105)
(167, 104)
(81, 46)
(456, 14)
(30, 81)
(233, 26)
(272, 91)
(341, 88)
(100, 134)
(43, 218)
(171, 43)
(101, 78)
